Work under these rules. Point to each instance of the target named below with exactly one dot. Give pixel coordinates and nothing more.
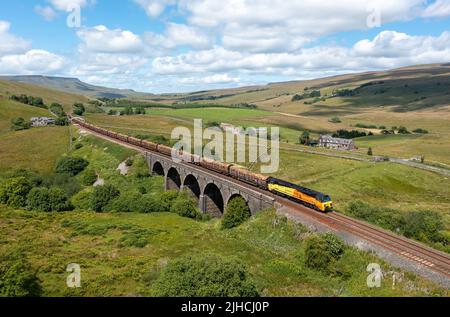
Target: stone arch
(214, 203)
(173, 179)
(192, 186)
(158, 169)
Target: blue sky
(187, 45)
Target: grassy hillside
(8, 88)
(113, 264)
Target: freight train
(305, 196)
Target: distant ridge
(74, 85)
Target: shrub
(127, 202)
(71, 165)
(403, 130)
(236, 213)
(424, 226)
(57, 109)
(89, 177)
(17, 278)
(79, 109)
(58, 200)
(44, 199)
(82, 200)
(206, 276)
(78, 146)
(420, 131)
(166, 200)
(335, 120)
(102, 196)
(14, 191)
(18, 124)
(185, 207)
(64, 181)
(38, 200)
(370, 152)
(321, 250)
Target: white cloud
(387, 50)
(439, 8)
(46, 12)
(279, 26)
(179, 35)
(10, 43)
(210, 80)
(154, 8)
(68, 5)
(32, 62)
(102, 39)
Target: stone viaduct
(212, 191)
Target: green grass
(10, 109)
(111, 266)
(121, 254)
(36, 149)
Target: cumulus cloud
(179, 35)
(210, 80)
(102, 39)
(388, 49)
(10, 43)
(440, 8)
(68, 5)
(46, 12)
(32, 62)
(154, 8)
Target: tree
(304, 138)
(62, 121)
(38, 200)
(89, 177)
(14, 191)
(236, 213)
(424, 226)
(370, 152)
(321, 250)
(17, 277)
(79, 109)
(403, 130)
(71, 165)
(205, 276)
(57, 109)
(46, 200)
(18, 124)
(185, 207)
(102, 196)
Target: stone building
(41, 121)
(336, 143)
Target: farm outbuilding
(336, 143)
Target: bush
(403, 130)
(71, 165)
(44, 199)
(14, 191)
(102, 196)
(89, 177)
(17, 278)
(322, 250)
(79, 109)
(424, 226)
(185, 207)
(206, 276)
(82, 200)
(78, 146)
(420, 131)
(38, 200)
(18, 124)
(335, 120)
(166, 200)
(236, 213)
(64, 181)
(370, 152)
(57, 109)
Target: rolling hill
(74, 85)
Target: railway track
(410, 250)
